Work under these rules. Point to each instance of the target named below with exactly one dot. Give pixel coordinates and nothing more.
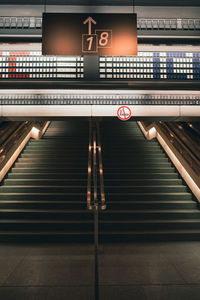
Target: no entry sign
(124, 113)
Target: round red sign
(124, 113)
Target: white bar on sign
(45, 110)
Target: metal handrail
(102, 191)
(94, 146)
(89, 192)
(95, 166)
(96, 216)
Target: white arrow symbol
(89, 20)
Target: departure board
(146, 66)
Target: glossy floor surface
(141, 271)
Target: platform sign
(89, 34)
(124, 113)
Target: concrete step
(45, 182)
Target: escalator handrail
(13, 139)
(183, 135)
(6, 129)
(186, 153)
(194, 126)
(102, 191)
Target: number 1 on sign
(90, 40)
(89, 43)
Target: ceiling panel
(104, 2)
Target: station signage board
(89, 34)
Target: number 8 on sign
(104, 38)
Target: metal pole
(96, 251)
(89, 191)
(103, 199)
(96, 211)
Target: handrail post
(103, 199)
(96, 250)
(96, 216)
(95, 168)
(95, 165)
(94, 146)
(89, 205)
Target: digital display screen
(89, 34)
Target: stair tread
(153, 210)
(106, 186)
(149, 211)
(49, 173)
(157, 221)
(50, 211)
(110, 202)
(50, 194)
(131, 232)
(84, 183)
(42, 202)
(113, 194)
(50, 167)
(153, 202)
(144, 179)
(44, 179)
(42, 232)
(41, 186)
(45, 221)
(147, 193)
(150, 221)
(78, 232)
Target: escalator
(44, 194)
(146, 198)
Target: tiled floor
(142, 271)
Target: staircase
(44, 194)
(146, 198)
(43, 197)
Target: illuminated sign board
(89, 34)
